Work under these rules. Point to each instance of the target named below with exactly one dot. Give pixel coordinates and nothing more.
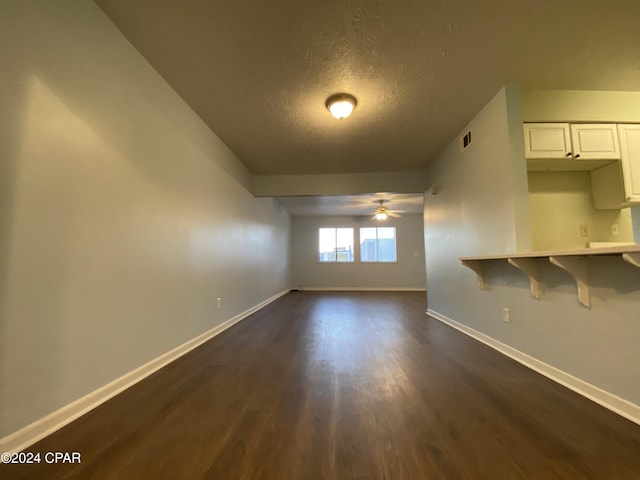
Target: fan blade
(393, 215)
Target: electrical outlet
(615, 230)
(506, 315)
(218, 302)
(584, 230)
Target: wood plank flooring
(343, 385)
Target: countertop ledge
(560, 253)
(572, 261)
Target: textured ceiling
(258, 73)
(352, 204)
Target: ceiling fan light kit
(341, 105)
(382, 212)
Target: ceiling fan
(382, 212)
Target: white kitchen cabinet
(594, 141)
(547, 140)
(570, 147)
(630, 159)
(580, 141)
(617, 185)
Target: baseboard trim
(360, 289)
(622, 407)
(45, 426)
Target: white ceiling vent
(465, 141)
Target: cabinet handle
(577, 156)
(568, 154)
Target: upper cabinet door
(630, 160)
(595, 141)
(547, 140)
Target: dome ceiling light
(341, 105)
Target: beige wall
(406, 273)
(580, 106)
(122, 216)
(598, 346)
(337, 184)
(560, 202)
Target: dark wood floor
(344, 386)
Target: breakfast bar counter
(574, 262)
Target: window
(335, 245)
(378, 244)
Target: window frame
(335, 248)
(395, 245)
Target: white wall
(122, 216)
(560, 202)
(598, 346)
(493, 174)
(406, 273)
